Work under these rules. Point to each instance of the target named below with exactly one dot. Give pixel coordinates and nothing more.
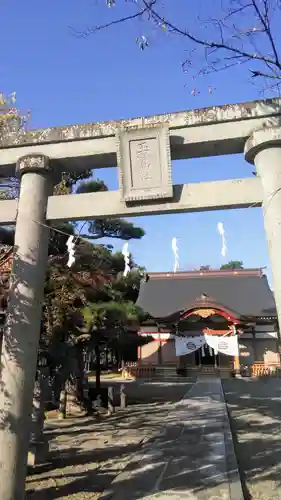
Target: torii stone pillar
(22, 331)
(263, 149)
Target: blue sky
(64, 80)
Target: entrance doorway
(206, 359)
(207, 356)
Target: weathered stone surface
(193, 134)
(191, 460)
(144, 161)
(22, 329)
(33, 163)
(254, 407)
(213, 114)
(262, 139)
(264, 149)
(194, 197)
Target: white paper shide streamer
(126, 255)
(222, 233)
(71, 251)
(176, 254)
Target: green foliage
(67, 291)
(91, 186)
(94, 229)
(113, 228)
(233, 264)
(93, 294)
(111, 316)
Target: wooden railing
(262, 370)
(134, 371)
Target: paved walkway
(192, 459)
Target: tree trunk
(37, 445)
(98, 367)
(57, 387)
(82, 385)
(73, 406)
(38, 409)
(117, 359)
(63, 402)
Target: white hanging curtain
(187, 345)
(225, 345)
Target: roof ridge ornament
(203, 297)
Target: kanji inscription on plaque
(144, 162)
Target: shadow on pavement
(255, 410)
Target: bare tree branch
(121, 20)
(239, 10)
(206, 43)
(241, 33)
(264, 19)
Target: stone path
(255, 410)
(87, 454)
(192, 459)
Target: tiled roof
(245, 292)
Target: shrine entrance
(210, 336)
(206, 358)
(143, 150)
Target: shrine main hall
(213, 321)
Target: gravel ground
(255, 411)
(86, 454)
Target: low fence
(262, 370)
(135, 371)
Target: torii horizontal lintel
(217, 130)
(193, 197)
(176, 120)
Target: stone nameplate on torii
(144, 162)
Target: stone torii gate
(142, 148)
